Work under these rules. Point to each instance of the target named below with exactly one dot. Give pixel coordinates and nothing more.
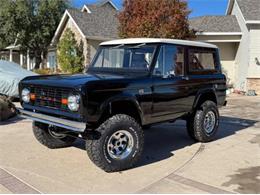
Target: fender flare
(203, 92)
(108, 104)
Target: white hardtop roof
(157, 40)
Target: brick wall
(254, 84)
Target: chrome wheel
(120, 145)
(209, 122)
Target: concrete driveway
(171, 163)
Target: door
(170, 87)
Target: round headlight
(26, 95)
(73, 102)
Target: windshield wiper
(118, 46)
(134, 47)
(138, 46)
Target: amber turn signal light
(64, 101)
(32, 96)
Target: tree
(31, 24)
(155, 18)
(70, 53)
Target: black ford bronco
(130, 85)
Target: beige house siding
(254, 48)
(242, 56)
(227, 56)
(253, 79)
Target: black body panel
(156, 99)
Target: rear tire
(43, 135)
(203, 124)
(118, 144)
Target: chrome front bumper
(59, 122)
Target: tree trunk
(38, 59)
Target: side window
(158, 70)
(99, 61)
(201, 60)
(170, 61)
(174, 60)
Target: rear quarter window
(202, 60)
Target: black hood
(68, 81)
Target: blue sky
(198, 7)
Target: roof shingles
(250, 9)
(101, 23)
(215, 24)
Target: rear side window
(201, 60)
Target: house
(12, 53)
(91, 25)
(237, 34)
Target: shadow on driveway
(13, 120)
(161, 141)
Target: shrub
(47, 71)
(70, 53)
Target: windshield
(124, 57)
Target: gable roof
(110, 2)
(89, 7)
(98, 22)
(216, 24)
(250, 9)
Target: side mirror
(169, 75)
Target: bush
(47, 71)
(70, 53)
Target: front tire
(203, 124)
(50, 139)
(118, 145)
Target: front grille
(50, 97)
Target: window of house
(201, 60)
(170, 61)
(51, 60)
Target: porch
(12, 53)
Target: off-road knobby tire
(195, 121)
(97, 148)
(41, 133)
